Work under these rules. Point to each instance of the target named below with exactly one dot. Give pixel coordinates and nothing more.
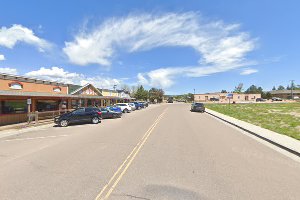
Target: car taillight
(99, 113)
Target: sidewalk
(15, 129)
(282, 141)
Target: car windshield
(78, 111)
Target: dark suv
(81, 115)
(197, 107)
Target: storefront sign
(229, 96)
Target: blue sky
(176, 45)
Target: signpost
(28, 103)
(229, 96)
(28, 110)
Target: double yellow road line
(115, 179)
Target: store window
(75, 104)
(56, 89)
(15, 85)
(13, 107)
(47, 105)
(82, 102)
(89, 102)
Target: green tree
(238, 89)
(266, 95)
(254, 90)
(190, 97)
(141, 93)
(156, 94)
(280, 87)
(223, 91)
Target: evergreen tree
(141, 93)
(280, 87)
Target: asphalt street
(164, 152)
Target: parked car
(260, 100)
(197, 107)
(107, 113)
(138, 105)
(170, 100)
(125, 107)
(115, 108)
(133, 108)
(81, 115)
(276, 99)
(145, 103)
(214, 99)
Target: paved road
(162, 152)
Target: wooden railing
(30, 118)
(36, 116)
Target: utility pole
(194, 96)
(115, 86)
(292, 85)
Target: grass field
(283, 118)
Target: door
(78, 115)
(105, 113)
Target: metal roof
(30, 79)
(284, 92)
(45, 94)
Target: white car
(132, 105)
(125, 107)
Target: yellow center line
(127, 162)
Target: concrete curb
(282, 141)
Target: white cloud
(216, 42)
(164, 77)
(60, 75)
(7, 70)
(248, 71)
(221, 47)
(2, 57)
(9, 37)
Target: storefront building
(225, 97)
(21, 95)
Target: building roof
(29, 79)
(45, 94)
(225, 94)
(86, 85)
(284, 92)
(72, 88)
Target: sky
(179, 46)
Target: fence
(36, 116)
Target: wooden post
(36, 117)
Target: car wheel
(125, 110)
(95, 120)
(114, 116)
(64, 123)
